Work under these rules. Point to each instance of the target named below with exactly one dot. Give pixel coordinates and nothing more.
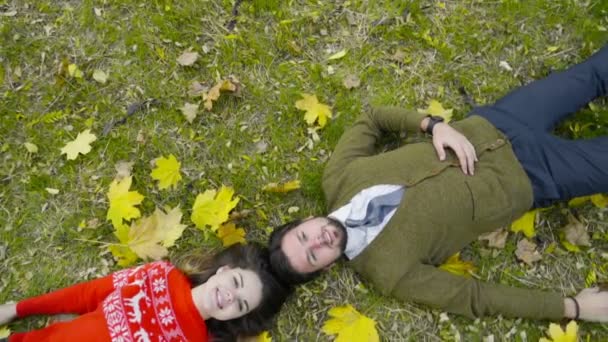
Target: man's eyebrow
(242, 283)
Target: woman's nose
(229, 296)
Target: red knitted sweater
(152, 302)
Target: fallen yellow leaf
(4, 332)
(350, 326)
(282, 187)
(82, 145)
(123, 202)
(167, 172)
(315, 111)
(525, 224)
(457, 266)
(337, 55)
(211, 210)
(190, 111)
(558, 335)
(436, 108)
(149, 237)
(214, 93)
(599, 200)
(264, 337)
(230, 234)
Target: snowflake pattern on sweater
(140, 308)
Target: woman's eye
(236, 283)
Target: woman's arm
(80, 298)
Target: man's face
(314, 244)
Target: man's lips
(327, 238)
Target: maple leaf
(526, 252)
(574, 235)
(457, 266)
(315, 111)
(558, 335)
(187, 58)
(496, 239)
(123, 201)
(167, 172)
(350, 326)
(189, 110)
(123, 169)
(263, 337)
(211, 208)
(436, 108)
(230, 235)
(284, 187)
(213, 94)
(100, 76)
(337, 55)
(599, 200)
(149, 237)
(351, 81)
(4, 332)
(82, 145)
(525, 224)
(123, 255)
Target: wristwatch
(433, 120)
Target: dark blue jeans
(559, 169)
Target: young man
(397, 215)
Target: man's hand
(446, 136)
(8, 312)
(593, 305)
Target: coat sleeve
(360, 140)
(79, 298)
(431, 286)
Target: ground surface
(404, 53)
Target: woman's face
(231, 293)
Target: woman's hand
(8, 312)
(445, 135)
(593, 305)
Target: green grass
(278, 50)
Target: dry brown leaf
(197, 89)
(189, 110)
(575, 232)
(351, 81)
(399, 56)
(187, 58)
(526, 252)
(496, 239)
(230, 84)
(123, 169)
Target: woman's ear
(222, 269)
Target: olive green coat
(442, 211)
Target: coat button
(500, 141)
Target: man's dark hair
(278, 260)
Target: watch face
(437, 118)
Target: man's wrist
(424, 123)
(569, 308)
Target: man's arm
(434, 287)
(431, 286)
(360, 139)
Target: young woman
(230, 294)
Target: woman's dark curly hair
(251, 257)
